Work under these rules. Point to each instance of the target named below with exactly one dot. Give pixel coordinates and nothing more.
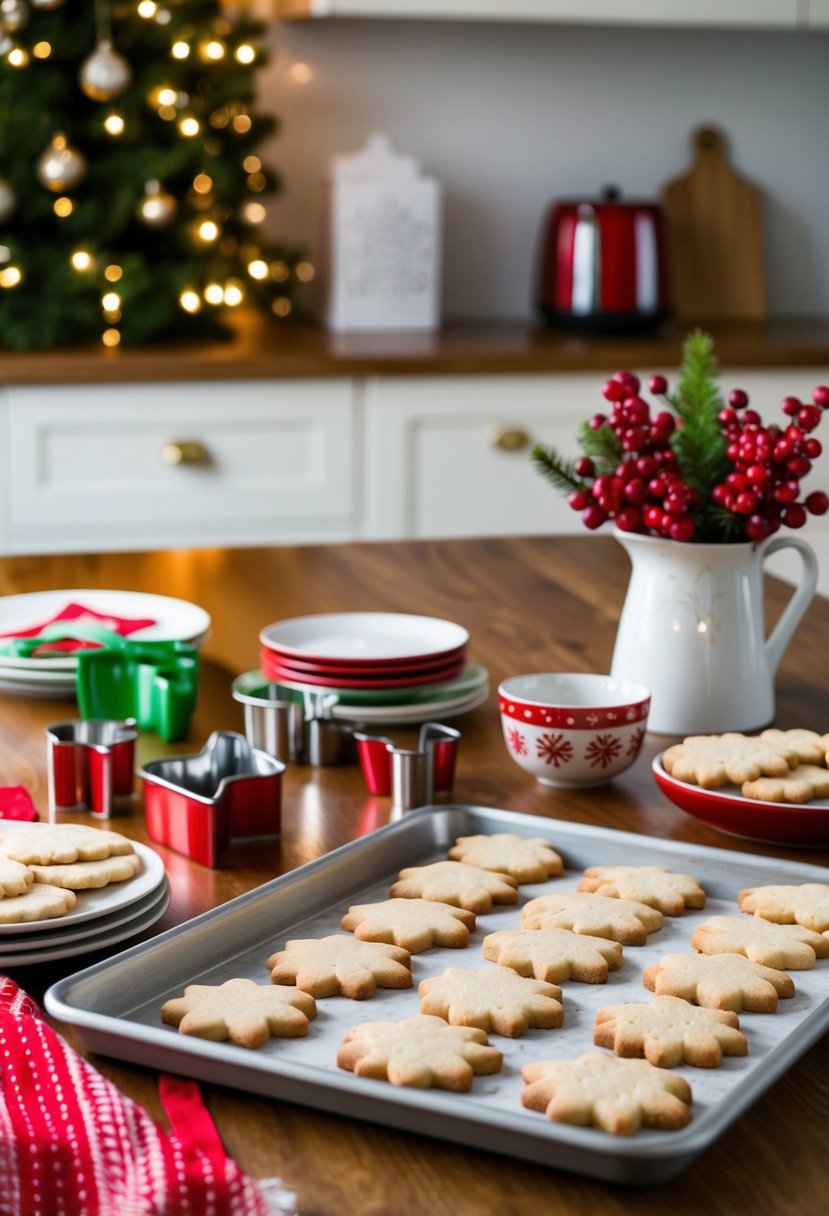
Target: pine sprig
(557, 469)
(601, 445)
(698, 442)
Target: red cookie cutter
(198, 804)
(90, 765)
(411, 777)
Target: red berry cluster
(769, 462)
(645, 492)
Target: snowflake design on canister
(603, 750)
(554, 749)
(516, 742)
(635, 743)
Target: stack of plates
(99, 918)
(381, 666)
(52, 674)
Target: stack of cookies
(775, 766)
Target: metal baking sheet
(114, 1005)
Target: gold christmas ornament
(157, 208)
(105, 73)
(61, 166)
(8, 202)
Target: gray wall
(509, 117)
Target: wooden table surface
(530, 605)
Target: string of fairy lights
(103, 76)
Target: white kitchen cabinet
(722, 13)
(263, 461)
(434, 467)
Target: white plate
(175, 620)
(410, 715)
(364, 636)
(108, 938)
(473, 677)
(58, 679)
(62, 937)
(101, 900)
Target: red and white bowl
(573, 729)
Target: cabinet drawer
(272, 460)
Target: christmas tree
(131, 190)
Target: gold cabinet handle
(185, 451)
(508, 438)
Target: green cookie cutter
(153, 682)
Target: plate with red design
(727, 810)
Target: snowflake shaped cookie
(328, 965)
(526, 860)
(652, 885)
(669, 1032)
(454, 882)
(806, 904)
(240, 1010)
(421, 1052)
(414, 924)
(554, 955)
(496, 999)
(622, 920)
(772, 945)
(719, 981)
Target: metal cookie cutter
(302, 731)
(90, 765)
(198, 804)
(413, 778)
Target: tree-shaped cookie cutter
(411, 776)
(90, 765)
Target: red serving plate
(278, 673)
(383, 669)
(728, 811)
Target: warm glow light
(10, 276)
(114, 124)
(242, 123)
(5, 253)
(257, 269)
(17, 57)
(281, 306)
(280, 271)
(180, 50)
(81, 259)
(208, 230)
(214, 293)
(214, 50)
(63, 206)
(168, 113)
(251, 164)
(189, 127)
(111, 301)
(245, 53)
(233, 294)
(202, 184)
(254, 213)
(147, 9)
(190, 301)
(166, 96)
(113, 273)
(304, 271)
(42, 50)
(110, 337)
(301, 73)
(112, 315)
(257, 182)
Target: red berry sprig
(694, 468)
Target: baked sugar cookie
(454, 882)
(780, 946)
(85, 875)
(798, 785)
(622, 920)
(652, 885)
(554, 955)
(714, 760)
(341, 964)
(49, 844)
(38, 902)
(669, 1032)
(806, 904)
(597, 1090)
(421, 1052)
(496, 999)
(526, 860)
(240, 1010)
(15, 878)
(719, 981)
(414, 924)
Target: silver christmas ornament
(13, 15)
(157, 208)
(105, 73)
(61, 166)
(8, 202)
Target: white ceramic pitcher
(692, 630)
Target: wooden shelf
(785, 14)
(262, 349)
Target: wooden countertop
(530, 604)
(258, 348)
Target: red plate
(366, 669)
(728, 811)
(276, 673)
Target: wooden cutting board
(715, 238)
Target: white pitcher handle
(780, 636)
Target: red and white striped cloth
(72, 1145)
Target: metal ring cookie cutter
(90, 765)
(302, 731)
(199, 804)
(412, 777)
